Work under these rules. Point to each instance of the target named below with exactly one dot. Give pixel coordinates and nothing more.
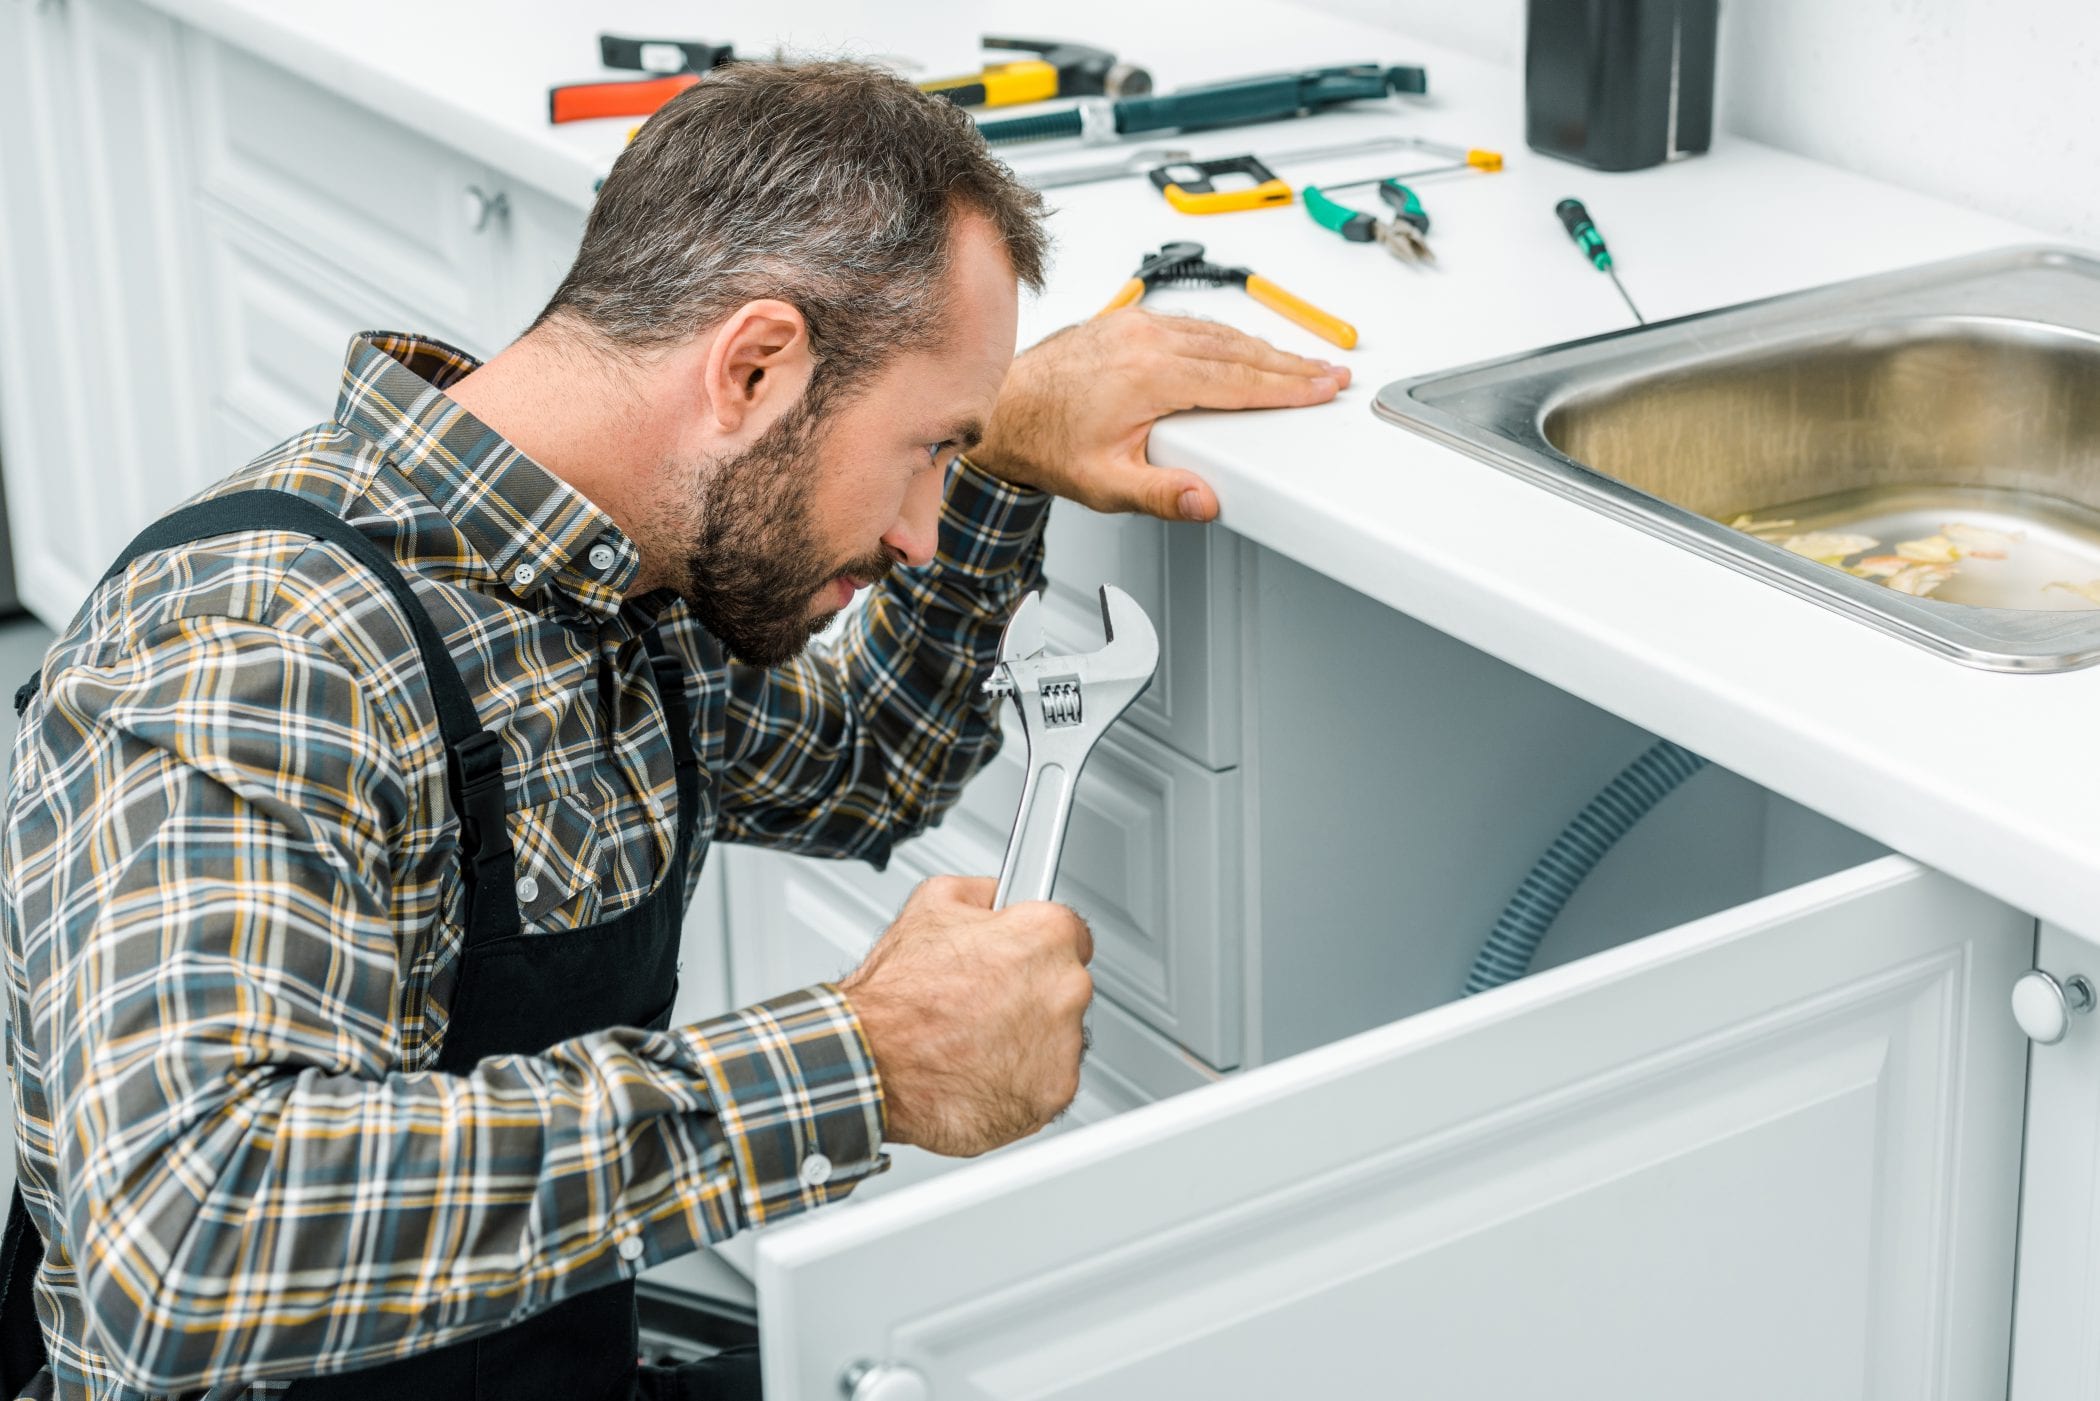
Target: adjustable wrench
(1066, 703)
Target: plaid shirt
(232, 904)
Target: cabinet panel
(282, 325)
(104, 420)
(1186, 579)
(1770, 1153)
(44, 408)
(365, 194)
(1152, 859)
(2056, 1325)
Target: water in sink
(2051, 542)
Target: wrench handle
(1039, 835)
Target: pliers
(1181, 264)
(1404, 235)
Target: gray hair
(830, 186)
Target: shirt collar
(535, 530)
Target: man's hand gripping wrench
(1066, 704)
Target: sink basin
(1858, 422)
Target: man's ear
(760, 354)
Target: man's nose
(917, 530)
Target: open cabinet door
(1773, 1153)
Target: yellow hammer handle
(1320, 323)
(1125, 295)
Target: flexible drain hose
(1506, 956)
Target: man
(344, 861)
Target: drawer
(1152, 859)
(1186, 578)
(362, 193)
(281, 324)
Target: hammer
(1057, 70)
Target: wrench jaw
(1066, 704)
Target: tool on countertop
(1266, 98)
(1066, 704)
(1487, 161)
(676, 63)
(1058, 69)
(1190, 185)
(1182, 264)
(1405, 235)
(1576, 220)
(1136, 163)
(1142, 162)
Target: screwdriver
(1576, 220)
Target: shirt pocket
(558, 847)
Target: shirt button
(523, 576)
(816, 1170)
(602, 557)
(528, 890)
(631, 1249)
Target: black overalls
(516, 993)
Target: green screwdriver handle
(1576, 220)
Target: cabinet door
(2056, 1330)
(1769, 1153)
(389, 206)
(99, 337)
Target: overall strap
(678, 717)
(473, 756)
(670, 685)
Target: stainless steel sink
(1963, 393)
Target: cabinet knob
(2044, 1007)
(482, 208)
(884, 1381)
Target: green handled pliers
(1404, 234)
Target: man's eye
(938, 453)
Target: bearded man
(355, 814)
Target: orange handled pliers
(1182, 263)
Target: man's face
(829, 498)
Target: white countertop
(1989, 777)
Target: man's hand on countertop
(1077, 410)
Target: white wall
(1992, 103)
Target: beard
(754, 559)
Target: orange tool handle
(638, 97)
(1126, 294)
(1320, 323)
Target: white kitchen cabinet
(1773, 1152)
(192, 235)
(99, 329)
(390, 207)
(2056, 1338)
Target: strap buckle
(483, 832)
